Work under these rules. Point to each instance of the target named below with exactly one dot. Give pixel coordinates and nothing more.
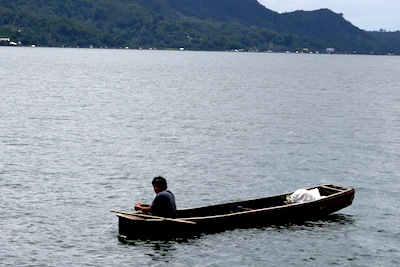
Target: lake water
(84, 131)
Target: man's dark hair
(160, 181)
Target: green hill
(193, 24)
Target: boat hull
(242, 214)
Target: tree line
(124, 23)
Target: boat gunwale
(341, 191)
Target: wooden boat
(273, 210)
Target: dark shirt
(164, 205)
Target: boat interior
(254, 204)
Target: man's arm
(143, 207)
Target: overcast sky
(368, 15)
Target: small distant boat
(272, 210)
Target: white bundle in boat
(304, 195)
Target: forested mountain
(192, 24)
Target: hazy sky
(365, 14)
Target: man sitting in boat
(163, 204)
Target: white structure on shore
(330, 50)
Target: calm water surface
(84, 131)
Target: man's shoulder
(165, 193)
(165, 196)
